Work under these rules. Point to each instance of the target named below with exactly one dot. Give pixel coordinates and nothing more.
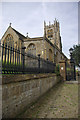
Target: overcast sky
(29, 17)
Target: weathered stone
(20, 94)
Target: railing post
(39, 62)
(15, 70)
(8, 55)
(5, 52)
(23, 59)
(17, 56)
(47, 65)
(13, 55)
(74, 72)
(54, 67)
(2, 51)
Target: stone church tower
(52, 32)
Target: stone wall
(39, 44)
(20, 91)
(0, 86)
(0, 101)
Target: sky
(29, 17)
(79, 23)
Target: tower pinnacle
(27, 35)
(49, 23)
(44, 23)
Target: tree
(76, 54)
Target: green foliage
(11, 64)
(76, 70)
(68, 69)
(57, 70)
(76, 54)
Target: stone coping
(23, 77)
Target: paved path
(60, 102)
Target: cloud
(29, 17)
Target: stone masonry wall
(19, 91)
(0, 101)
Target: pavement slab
(59, 102)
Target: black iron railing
(16, 61)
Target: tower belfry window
(50, 33)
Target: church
(49, 46)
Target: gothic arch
(31, 49)
(9, 40)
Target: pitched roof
(33, 39)
(19, 34)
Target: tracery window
(9, 40)
(31, 49)
(9, 54)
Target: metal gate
(70, 71)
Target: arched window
(7, 50)
(9, 40)
(50, 33)
(31, 49)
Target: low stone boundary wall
(19, 91)
(0, 102)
